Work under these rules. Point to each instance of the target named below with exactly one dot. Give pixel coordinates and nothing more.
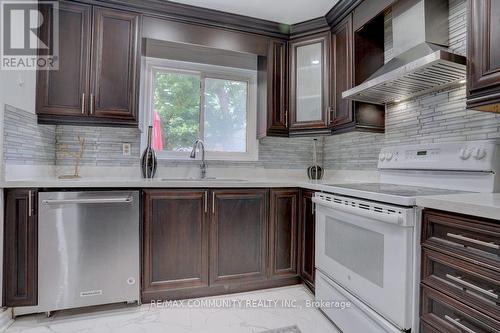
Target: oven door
(367, 248)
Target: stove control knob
(381, 157)
(479, 153)
(465, 154)
(388, 156)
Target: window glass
(225, 115)
(176, 118)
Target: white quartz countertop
(476, 204)
(169, 183)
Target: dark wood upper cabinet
(283, 224)
(483, 55)
(65, 91)
(342, 73)
(307, 238)
(309, 84)
(115, 64)
(355, 55)
(277, 92)
(97, 79)
(176, 230)
(238, 240)
(20, 261)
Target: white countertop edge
(144, 183)
(485, 205)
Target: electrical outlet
(126, 149)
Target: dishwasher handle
(87, 201)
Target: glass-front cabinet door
(309, 84)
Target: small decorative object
(148, 159)
(64, 151)
(315, 172)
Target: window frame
(151, 66)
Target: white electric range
(367, 234)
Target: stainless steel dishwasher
(88, 249)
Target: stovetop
(394, 189)
(404, 195)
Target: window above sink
(184, 101)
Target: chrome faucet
(203, 165)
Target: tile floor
(176, 319)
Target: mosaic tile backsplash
(25, 142)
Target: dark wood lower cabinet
(460, 283)
(175, 243)
(306, 238)
(200, 242)
(238, 236)
(20, 266)
(283, 224)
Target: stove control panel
(463, 156)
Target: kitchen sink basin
(192, 179)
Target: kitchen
(213, 166)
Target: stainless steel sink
(192, 179)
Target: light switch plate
(126, 149)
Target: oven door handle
(393, 218)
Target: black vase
(148, 159)
(315, 172)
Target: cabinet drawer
(470, 239)
(475, 286)
(448, 315)
(426, 328)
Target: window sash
(152, 66)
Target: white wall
(17, 88)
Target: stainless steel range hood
(421, 62)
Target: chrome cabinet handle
(213, 202)
(457, 323)
(30, 204)
(459, 280)
(87, 201)
(474, 241)
(206, 201)
(83, 103)
(286, 118)
(92, 101)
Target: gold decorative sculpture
(64, 151)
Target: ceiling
(282, 11)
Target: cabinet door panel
(115, 63)
(309, 86)
(238, 236)
(283, 232)
(483, 55)
(342, 79)
(175, 239)
(278, 101)
(20, 272)
(65, 91)
(307, 240)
